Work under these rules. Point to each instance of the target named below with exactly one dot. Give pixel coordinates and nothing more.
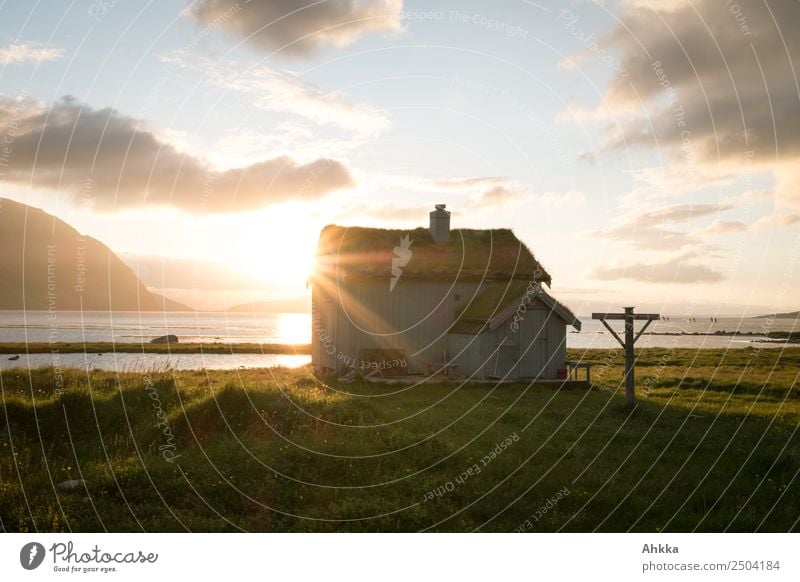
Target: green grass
(711, 446)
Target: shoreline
(772, 337)
(220, 348)
(776, 337)
(148, 348)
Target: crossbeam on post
(628, 317)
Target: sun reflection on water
(294, 328)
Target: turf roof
(492, 302)
(491, 255)
(494, 298)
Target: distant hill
(790, 315)
(47, 264)
(294, 305)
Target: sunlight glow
(276, 248)
(294, 328)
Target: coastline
(9, 348)
(149, 348)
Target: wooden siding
(416, 317)
(536, 349)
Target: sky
(646, 151)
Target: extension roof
(499, 301)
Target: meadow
(712, 445)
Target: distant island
(790, 315)
(48, 265)
(293, 305)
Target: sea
(295, 328)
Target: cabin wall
(466, 353)
(543, 342)
(535, 348)
(323, 329)
(414, 317)
(557, 345)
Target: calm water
(133, 326)
(149, 362)
(594, 335)
(292, 328)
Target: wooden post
(630, 390)
(630, 339)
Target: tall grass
(711, 446)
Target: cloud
(285, 92)
(719, 227)
(356, 214)
(776, 221)
(497, 196)
(490, 191)
(679, 213)
(788, 183)
(570, 198)
(28, 52)
(678, 179)
(299, 28)
(112, 161)
(474, 184)
(717, 80)
(679, 269)
(484, 191)
(647, 230)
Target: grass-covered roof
(494, 298)
(495, 254)
(493, 301)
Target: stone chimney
(440, 224)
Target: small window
(457, 296)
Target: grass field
(712, 445)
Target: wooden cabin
(462, 302)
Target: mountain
(47, 264)
(295, 305)
(790, 315)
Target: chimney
(440, 224)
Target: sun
(278, 251)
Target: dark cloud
(731, 70)
(113, 162)
(718, 80)
(299, 27)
